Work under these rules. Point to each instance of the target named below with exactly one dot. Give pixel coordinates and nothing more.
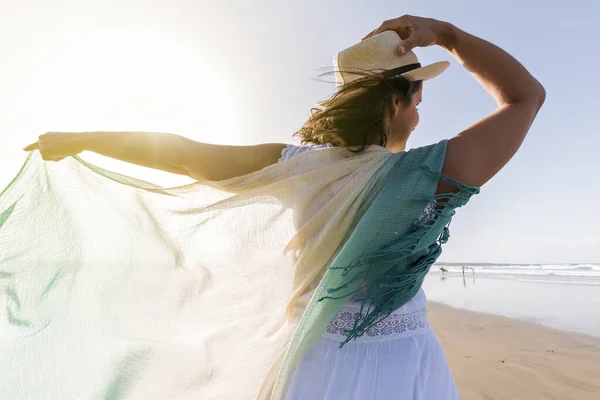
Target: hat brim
(427, 72)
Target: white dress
(399, 358)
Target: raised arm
(476, 154)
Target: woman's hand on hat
(414, 31)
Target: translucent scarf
(117, 288)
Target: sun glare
(136, 81)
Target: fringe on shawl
(388, 283)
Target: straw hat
(379, 54)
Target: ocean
(560, 296)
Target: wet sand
(493, 357)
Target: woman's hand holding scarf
(55, 146)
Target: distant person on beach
(380, 84)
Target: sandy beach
(494, 357)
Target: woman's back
(417, 304)
(404, 337)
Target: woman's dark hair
(353, 116)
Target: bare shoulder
(478, 153)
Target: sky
(245, 72)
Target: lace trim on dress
(428, 215)
(287, 152)
(292, 150)
(394, 326)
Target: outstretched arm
(163, 151)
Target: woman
(378, 361)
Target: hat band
(400, 70)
